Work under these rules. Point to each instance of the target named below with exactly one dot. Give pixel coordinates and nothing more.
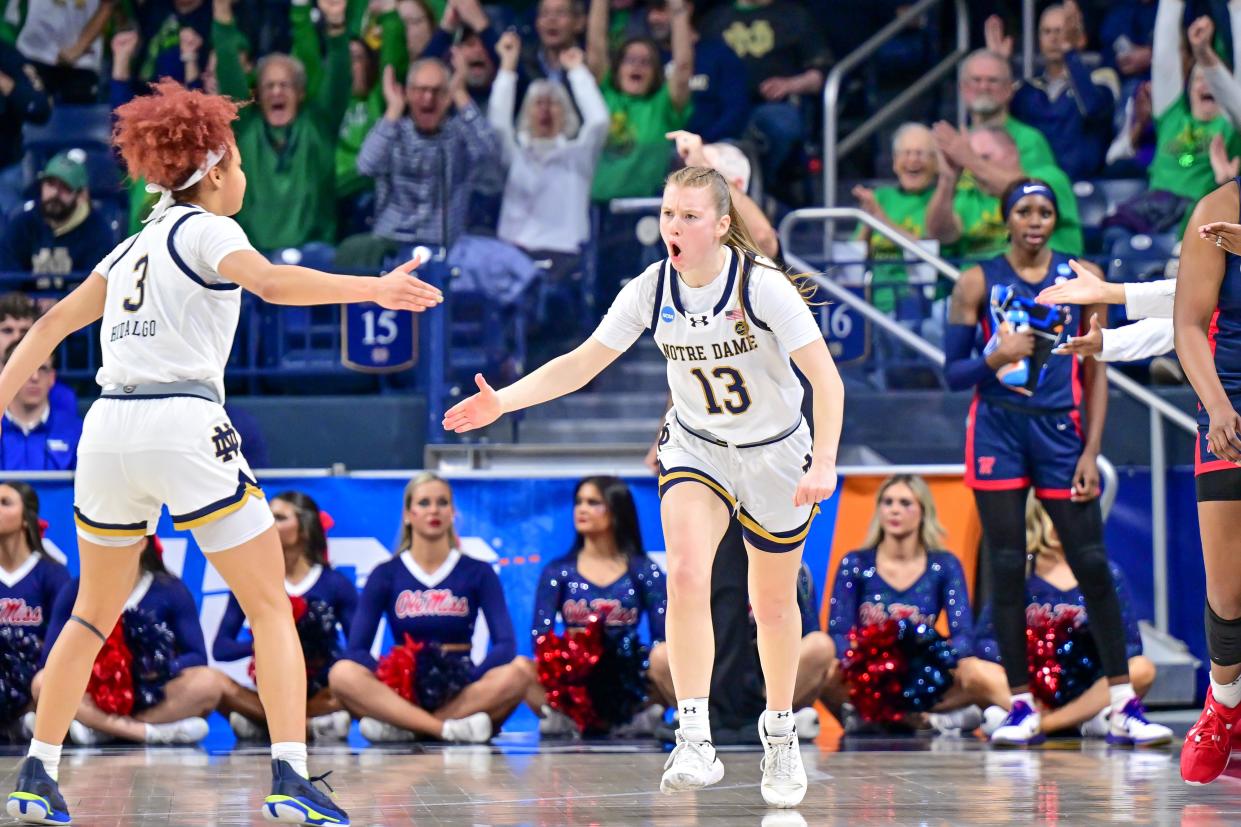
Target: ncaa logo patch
(667, 314)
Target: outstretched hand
(478, 411)
(1088, 344)
(1087, 288)
(400, 289)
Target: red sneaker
(1208, 744)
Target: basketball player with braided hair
(729, 322)
(169, 297)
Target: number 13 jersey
(169, 315)
(727, 350)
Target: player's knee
(1008, 576)
(772, 610)
(689, 579)
(1091, 569)
(1223, 638)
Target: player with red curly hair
(170, 298)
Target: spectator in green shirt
(902, 207)
(644, 107)
(288, 139)
(965, 209)
(987, 89)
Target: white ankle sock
(1120, 694)
(778, 722)
(49, 754)
(693, 719)
(294, 752)
(1227, 694)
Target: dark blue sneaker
(296, 800)
(37, 799)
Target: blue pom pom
(316, 629)
(929, 660)
(153, 646)
(440, 676)
(19, 659)
(1079, 663)
(617, 684)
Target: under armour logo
(689, 710)
(227, 443)
(696, 321)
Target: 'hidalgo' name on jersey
(728, 351)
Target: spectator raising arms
(184, 688)
(61, 235)
(37, 435)
(643, 104)
(550, 155)
(287, 139)
(61, 40)
(422, 162)
(1069, 104)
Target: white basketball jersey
(169, 315)
(729, 374)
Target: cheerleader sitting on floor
(324, 601)
(150, 683)
(431, 595)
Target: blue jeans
(782, 129)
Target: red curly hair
(166, 135)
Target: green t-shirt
(635, 157)
(362, 114)
(1182, 164)
(907, 211)
(1032, 146)
(984, 234)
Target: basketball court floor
(519, 782)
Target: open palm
(478, 411)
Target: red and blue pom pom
(596, 678)
(896, 668)
(424, 674)
(1062, 658)
(134, 665)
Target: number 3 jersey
(727, 350)
(169, 315)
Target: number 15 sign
(375, 340)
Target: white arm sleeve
(778, 305)
(1150, 299)
(630, 313)
(1140, 340)
(206, 240)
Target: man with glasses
(987, 89)
(36, 435)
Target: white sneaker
(1128, 725)
(641, 725)
(784, 777)
(1096, 727)
(28, 725)
(81, 734)
(960, 722)
(806, 721)
(556, 724)
(992, 719)
(333, 726)
(381, 732)
(1021, 727)
(244, 728)
(185, 731)
(472, 729)
(691, 766)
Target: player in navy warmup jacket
(327, 598)
(432, 593)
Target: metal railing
(1028, 29)
(1160, 409)
(834, 147)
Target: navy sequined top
(565, 592)
(861, 597)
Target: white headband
(166, 200)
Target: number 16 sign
(375, 340)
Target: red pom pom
(1045, 633)
(111, 684)
(873, 666)
(564, 664)
(326, 521)
(299, 607)
(398, 669)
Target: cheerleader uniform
(27, 596)
(166, 599)
(439, 607)
(322, 584)
(564, 592)
(1048, 604)
(862, 597)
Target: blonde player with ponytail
(729, 321)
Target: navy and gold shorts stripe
(246, 488)
(108, 529)
(776, 541)
(669, 477)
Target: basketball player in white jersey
(728, 322)
(169, 297)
